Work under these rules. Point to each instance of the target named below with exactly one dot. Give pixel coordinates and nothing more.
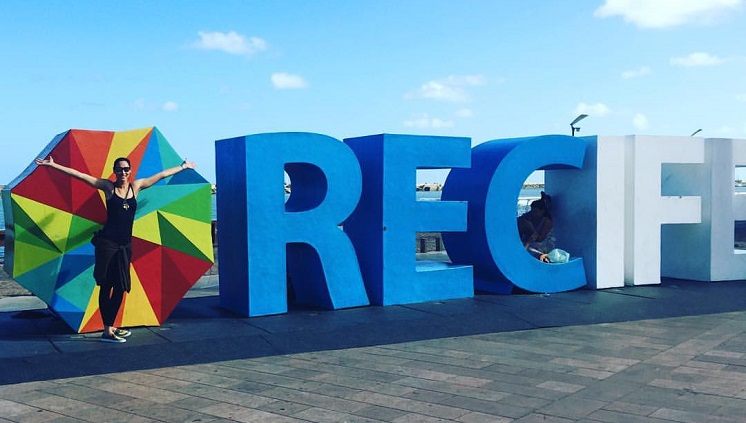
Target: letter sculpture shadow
(50, 218)
(491, 186)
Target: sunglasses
(121, 169)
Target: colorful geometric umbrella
(50, 218)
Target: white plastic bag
(558, 256)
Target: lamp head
(578, 119)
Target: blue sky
(483, 69)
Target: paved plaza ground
(669, 353)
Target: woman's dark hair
(121, 159)
(538, 204)
(547, 200)
(545, 203)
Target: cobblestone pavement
(683, 369)
(9, 287)
(656, 354)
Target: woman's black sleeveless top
(120, 215)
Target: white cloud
(636, 73)
(741, 97)
(230, 42)
(286, 81)
(452, 88)
(464, 113)
(424, 121)
(667, 13)
(597, 110)
(696, 59)
(170, 106)
(640, 122)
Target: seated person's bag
(558, 256)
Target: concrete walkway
(674, 352)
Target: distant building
(430, 186)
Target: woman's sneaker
(122, 333)
(105, 337)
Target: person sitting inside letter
(535, 228)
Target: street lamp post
(577, 119)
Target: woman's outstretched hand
(188, 165)
(45, 162)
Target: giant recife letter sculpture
(50, 218)
(629, 210)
